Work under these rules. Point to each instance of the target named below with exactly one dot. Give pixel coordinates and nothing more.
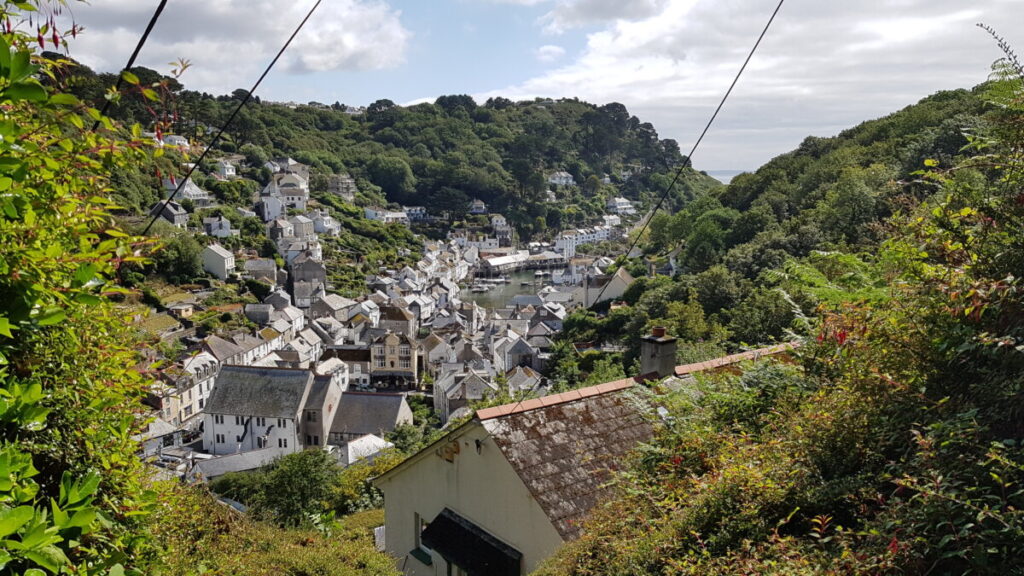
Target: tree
(254, 155)
(180, 259)
(394, 177)
(296, 486)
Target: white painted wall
(481, 487)
(231, 429)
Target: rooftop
(565, 447)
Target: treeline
(725, 260)
(441, 154)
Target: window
(261, 441)
(282, 442)
(188, 411)
(310, 416)
(238, 438)
(238, 420)
(405, 350)
(261, 421)
(218, 418)
(220, 439)
(405, 363)
(282, 423)
(380, 361)
(420, 524)
(202, 402)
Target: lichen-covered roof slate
(565, 452)
(259, 391)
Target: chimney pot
(658, 331)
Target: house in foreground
(502, 492)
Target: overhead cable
(689, 157)
(234, 113)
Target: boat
(524, 283)
(478, 288)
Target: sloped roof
(395, 313)
(564, 447)
(369, 413)
(219, 250)
(254, 391)
(336, 302)
(221, 348)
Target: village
(313, 369)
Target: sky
(825, 65)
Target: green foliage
(297, 489)
(203, 536)
(179, 261)
(895, 447)
(72, 496)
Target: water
(501, 294)
(724, 176)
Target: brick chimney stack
(658, 353)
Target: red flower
(894, 545)
(841, 337)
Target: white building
(189, 191)
(415, 213)
(567, 241)
(226, 169)
(561, 178)
(324, 223)
(218, 261)
(620, 205)
(477, 206)
(291, 188)
(254, 408)
(386, 216)
(200, 371)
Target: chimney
(658, 353)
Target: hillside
(439, 155)
(892, 442)
(726, 254)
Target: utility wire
(689, 157)
(131, 60)
(234, 113)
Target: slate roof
(368, 413)
(395, 313)
(564, 447)
(336, 302)
(219, 250)
(221, 348)
(254, 391)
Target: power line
(131, 60)
(689, 157)
(234, 113)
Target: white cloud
(575, 13)
(822, 67)
(550, 53)
(230, 41)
